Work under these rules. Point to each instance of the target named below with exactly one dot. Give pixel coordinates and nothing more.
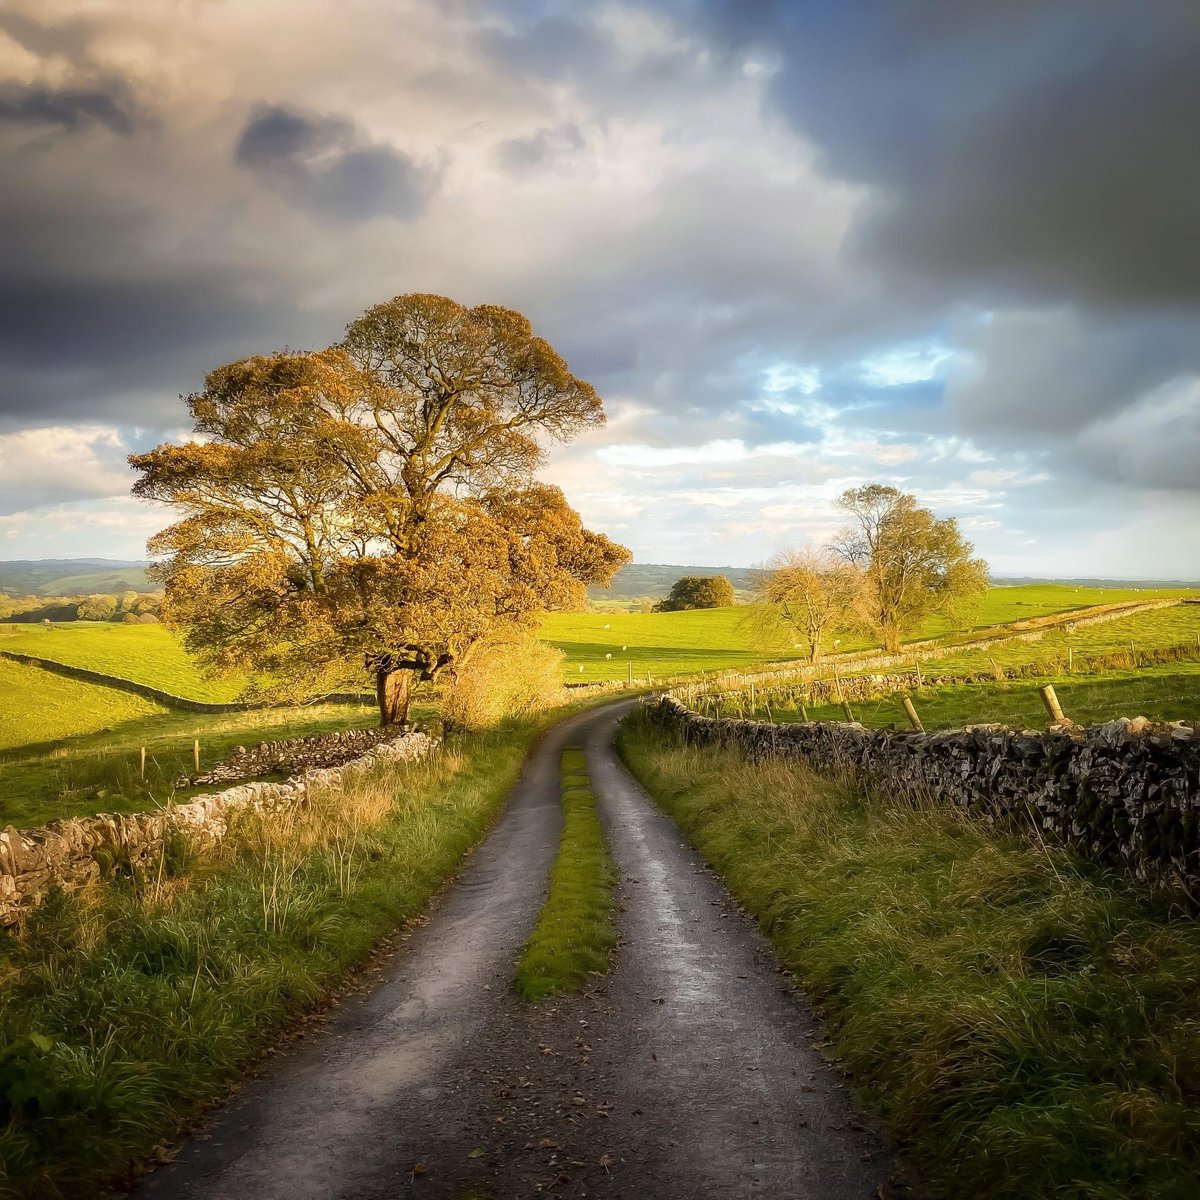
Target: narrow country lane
(689, 1071)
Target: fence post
(913, 719)
(196, 754)
(143, 762)
(803, 713)
(1050, 700)
(629, 673)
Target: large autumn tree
(914, 564)
(374, 505)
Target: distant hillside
(72, 577)
(655, 580)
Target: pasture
(147, 654)
(724, 639)
(1165, 693)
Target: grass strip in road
(575, 934)
(124, 1008)
(1025, 1025)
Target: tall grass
(1027, 1027)
(124, 1007)
(575, 935)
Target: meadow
(73, 748)
(147, 654)
(604, 644)
(1099, 672)
(101, 771)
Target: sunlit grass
(574, 935)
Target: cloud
(70, 108)
(888, 238)
(540, 149)
(320, 162)
(55, 463)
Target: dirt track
(689, 1071)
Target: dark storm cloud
(1016, 148)
(71, 108)
(125, 349)
(319, 162)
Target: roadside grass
(1025, 1025)
(125, 1007)
(722, 639)
(575, 935)
(68, 776)
(147, 654)
(1166, 693)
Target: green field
(1166, 693)
(722, 638)
(148, 654)
(38, 708)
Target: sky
(797, 246)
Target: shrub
(698, 591)
(516, 677)
(99, 607)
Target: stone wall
(291, 756)
(71, 853)
(1125, 794)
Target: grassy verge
(1027, 1028)
(575, 934)
(123, 1008)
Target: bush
(97, 608)
(698, 591)
(513, 678)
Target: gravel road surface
(691, 1070)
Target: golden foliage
(373, 504)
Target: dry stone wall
(1125, 794)
(288, 756)
(70, 853)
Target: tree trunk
(393, 691)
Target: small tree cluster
(697, 591)
(888, 572)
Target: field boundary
(1122, 794)
(1028, 630)
(169, 699)
(75, 851)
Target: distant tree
(697, 591)
(373, 506)
(914, 564)
(127, 600)
(97, 608)
(806, 597)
